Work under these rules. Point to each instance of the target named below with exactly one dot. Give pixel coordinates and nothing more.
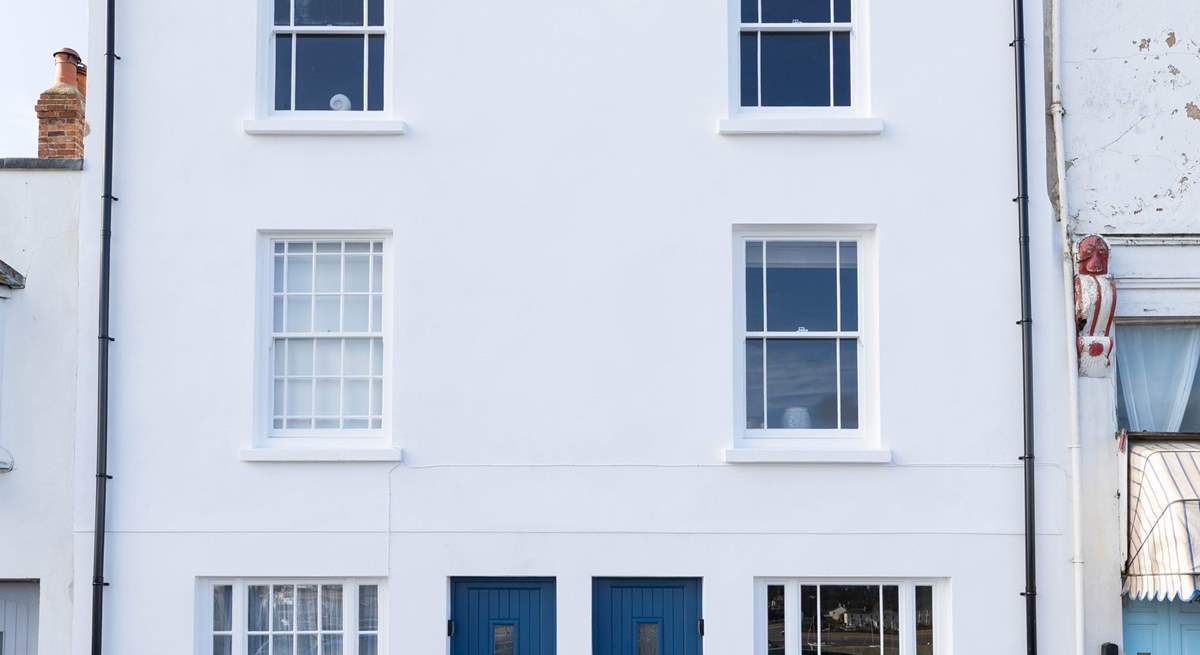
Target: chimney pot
(67, 67)
(60, 109)
(81, 79)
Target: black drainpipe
(1026, 323)
(102, 477)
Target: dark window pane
(841, 69)
(808, 619)
(258, 604)
(749, 11)
(368, 645)
(222, 608)
(283, 12)
(329, 71)
(749, 69)
(257, 645)
(850, 617)
(801, 286)
(841, 11)
(368, 607)
(306, 644)
(849, 383)
(848, 267)
(891, 620)
(801, 384)
(754, 286)
(647, 639)
(754, 384)
(795, 69)
(375, 12)
(222, 644)
(924, 620)
(331, 644)
(502, 639)
(329, 12)
(375, 72)
(281, 645)
(775, 620)
(283, 72)
(795, 11)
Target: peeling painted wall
(1131, 90)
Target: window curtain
(1157, 369)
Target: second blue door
(646, 616)
(502, 616)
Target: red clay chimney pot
(66, 64)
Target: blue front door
(502, 616)
(646, 616)
(1162, 628)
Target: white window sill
(832, 125)
(268, 454)
(807, 456)
(324, 127)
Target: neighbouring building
(1131, 132)
(39, 332)
(622, 328)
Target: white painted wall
(39, 237)
(30, 33)
(562, 213)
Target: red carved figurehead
(1095, 306)
(1093, 255)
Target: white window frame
(860, 96)
(907, 607)
(268, 120)
(265, 436)
(350, 591)
(866, 436)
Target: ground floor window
(800, 617)
(293, 617)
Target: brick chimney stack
(60, 109)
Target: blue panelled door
(1162, 628)
(502, 616)
(646, 616)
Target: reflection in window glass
(775, 620)
(802, 384)
(502, 639)
(924, 616)
(891, 620)
(808, 619)
(647, 639)
(850, 619)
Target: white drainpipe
(1068, 286)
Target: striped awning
(1164, 521)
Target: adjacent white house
(39, 329)
(1128, 137)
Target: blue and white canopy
(1164, 521)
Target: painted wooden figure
(1095, 304)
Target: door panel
(502, 616)
(646, 616)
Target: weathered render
(1131, 79)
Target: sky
(30, 32)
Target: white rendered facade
(560, 220)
